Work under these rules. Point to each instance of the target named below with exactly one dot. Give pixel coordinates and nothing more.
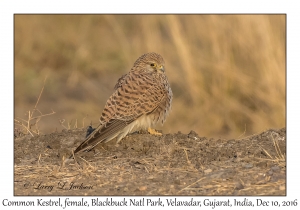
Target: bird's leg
(154, 132)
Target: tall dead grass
(227, 72)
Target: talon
(154, 132)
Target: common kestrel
(141, 99)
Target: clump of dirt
(143, 164)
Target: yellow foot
(154, 132)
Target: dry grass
(280, 157)
(30, 125)
(227, 72)
(150, 165)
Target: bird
(141, 99)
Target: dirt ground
(143, 164)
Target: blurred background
(227, 72)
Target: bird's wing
(137, 95)
(120, 81)
(101, 133)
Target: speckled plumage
(141, 99)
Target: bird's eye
(152, 64)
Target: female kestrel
(141, 99)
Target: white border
(9, 8)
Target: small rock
(248, 165)
(207, 171)
(262, 164)
(281, 187)
(275, 168)
(239, 186)
(143, 188)
(193, 135)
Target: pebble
(239, 186)
(275, 168)
(207, 171)
(143, 188)
(193, 135)
(249, 165)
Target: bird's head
(150, 62)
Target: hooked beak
(162, 68)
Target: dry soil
(143, 164)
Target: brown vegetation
(227, 72)
(143, 164)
